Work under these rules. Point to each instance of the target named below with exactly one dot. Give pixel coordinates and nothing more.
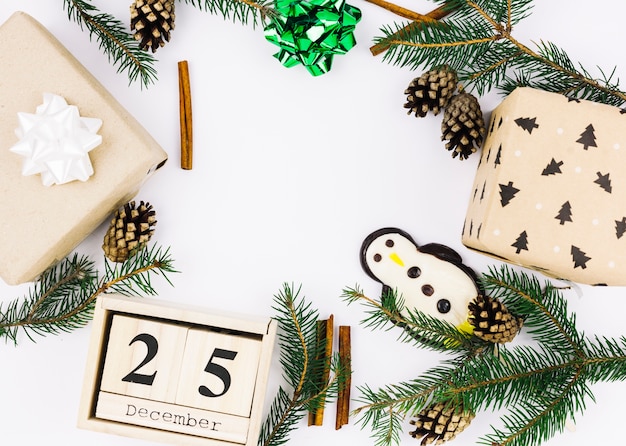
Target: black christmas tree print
(604, 181)
(579, 257)
(588, 138)
(565, 214)
(498, 155)
(521, 243)
(552, 168)
(527, 124)
(620, 227)
(507, 193)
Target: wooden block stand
(172, 373)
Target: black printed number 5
(152, 345)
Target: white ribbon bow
(56, 141)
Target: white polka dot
(496, 232)
(595, 222)
(578, 169)
(611, 264)
(556, 249)
(616, 146)
(559, 131)
(538, 206)
(518, 153)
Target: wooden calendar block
(167, 372)
(143, 358)
(218, 372)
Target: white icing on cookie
(433, 286)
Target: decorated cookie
(430, 278)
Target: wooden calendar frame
(170, 313)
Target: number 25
(212, 368)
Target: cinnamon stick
(345, 359)
(324, 339)
(186, 121)
(436, 14)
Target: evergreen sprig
(119, 46)
(242, 11)
(302, 366)
(124, 52)
(64, 297)
(540, 382)
(477, 41)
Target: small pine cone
(492, 321)
(152, 21)
(463, 125)
(431, 91)
(129, 231)
(440, 423)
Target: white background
(291, 172)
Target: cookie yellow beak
(396, 258)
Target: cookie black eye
(377, 257)
(413, 272)
(428, 290)
(443, 306)
(389, 243)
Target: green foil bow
(312, 32)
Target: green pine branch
(121, 49)
(541, 380)
(302, 366)
(242, 11)
(124, 51)
(418, 328)
(63, 298)
(477, 41)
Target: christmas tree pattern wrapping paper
(39, 224)
(550, 189)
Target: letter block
(173, 373)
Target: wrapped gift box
(550, 190)
(40, 225)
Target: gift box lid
(40, 225)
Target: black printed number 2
(212, 368)
(153, 346)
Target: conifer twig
(63, 298)
(432, 16)
(302, 367)
(120, 47)
(477, 42)
(541, 385)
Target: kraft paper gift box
(550, 189)
(40, 225)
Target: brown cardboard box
(550, 190)
(40, 225)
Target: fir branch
(418, 328)
(121, 49)
(476, 40)
(237, 10)
(297, 336)
(541, 386)
(63, 298)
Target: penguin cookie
(430, 278)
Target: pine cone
(152, 21)
(492, 321)
(431, 91)
(463, 125)
(129, 231)
(440, 423)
